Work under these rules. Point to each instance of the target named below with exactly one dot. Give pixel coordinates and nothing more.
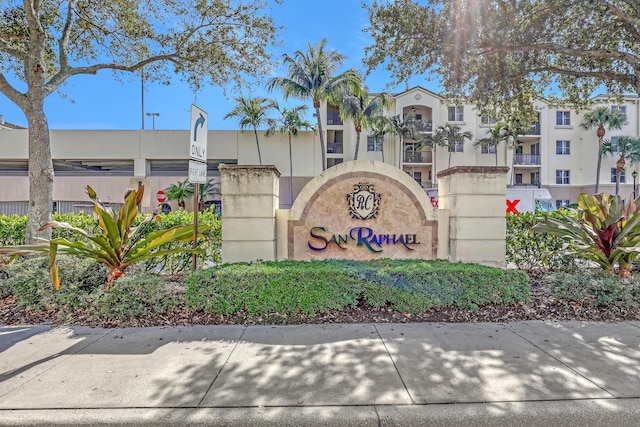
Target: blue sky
(101, 102)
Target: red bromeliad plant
(606, 231)
(118, 246)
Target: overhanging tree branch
(8, 49)
(64, 38)
(12, 93)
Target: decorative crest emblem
(363, 201)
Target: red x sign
(511, 206)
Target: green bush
(416, 286)
(135, 296)
(527, 250)
(311, 287)
(272, 287)
(594, 288)
(12, 230)
(28, 279)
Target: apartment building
(555, 153)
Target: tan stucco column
(475, 197)
(250, 197)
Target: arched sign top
(362, 210)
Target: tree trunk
(290, 172)
(382, 148)
(355, 157)
(323, 151)
(40, 174)
(600, 142)
(619, 168)
(255, 131)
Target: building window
(563, 147)
(563, 118)
(487, 149)
(456, 148)
(455, 114)
(535, 178)
(614, 143)
(621, 108)
(417, 176)
(487, 120)
(563, 176)
(562, 203)
(622, 176)
(374, 143)
(333, 115)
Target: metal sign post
(197, 164)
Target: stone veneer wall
(475, 197)
(249, 203)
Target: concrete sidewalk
(521, 373)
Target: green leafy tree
(626, 148)
(210, 188)
(602, 116)
(604, 230)
(495, 136)
(404, 128)
(451, 135)
(312, 75)
(118, 246)
(361, 108)
(43, 43)
(508, 53)
(290, 123)
(380, 126)
(252, 112)
(180, 191)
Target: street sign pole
(197, 165)
(195, 225)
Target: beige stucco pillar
(249, 203)
(475, 198)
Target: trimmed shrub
(594, 288)
(528, 250)
(285, 287)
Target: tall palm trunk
(290, 172)
(323, 151)
(600, 133)
(255, 131)
(355, 157)
(619, 168)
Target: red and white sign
(161, 196)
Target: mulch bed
(543, 306)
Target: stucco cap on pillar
(258, 169)
(473, 169)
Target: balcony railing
(533, 130)
(418, 157)
(424, 126)
(333, 118)
(526, 159)
(334, 147)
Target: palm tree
(290, 123)
(180, 191)
(380, 126)
(210, 188)
(251, 112)
(404, 128)
(452, 135)
(362, 109)
(311, 76)
(628, 148)
(602, 116)
(494, 137)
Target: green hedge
(12, 231)
(310, 287)
(528, 250)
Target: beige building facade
(556, 153)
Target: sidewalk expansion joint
(406, 389)
(561, 362)
(222, 367)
